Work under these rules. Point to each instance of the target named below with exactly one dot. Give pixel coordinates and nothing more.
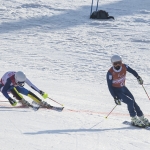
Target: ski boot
(28, 105)
(25, 103)
(137, 122)
(44, 104)
(12, 101)
(145, 120)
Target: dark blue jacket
(112, 89)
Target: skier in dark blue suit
(116, 76)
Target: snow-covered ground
(67, 55)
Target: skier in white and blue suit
(13, 83)
(116, 77)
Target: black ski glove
(117, 101)
(140, 80)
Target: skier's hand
(12, 101)
(117, 101)
(44, 95)
(140, 80)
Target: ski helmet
(116, 58)
(20, 78)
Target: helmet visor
(20, 83)
(117, 63)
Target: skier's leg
(138, 110)
(33, 97)
(129, 102)
(19, 97)
(136, 106)
(38, 100)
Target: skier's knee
(130, 103)
(16, 94)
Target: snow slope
(67, 55)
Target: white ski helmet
(116, 58)
(20, 78)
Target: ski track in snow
(66, 54)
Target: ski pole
(55, 101)
(145, 92)
(91, 7)
(110, 112)
(97, 5)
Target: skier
(116, 84)
(13, 82)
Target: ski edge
(59, 109)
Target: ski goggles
(117, 63)
(21, 84)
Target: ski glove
(139, 79)
(44, 95)
(12, 101)
(117, 101)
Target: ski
(29, 105)
(59, 109)
(20, 106)
(35, 108)
(129, 123)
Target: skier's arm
(109, 83)
(6, 87)
(132, 71)
(44, 95)
(32, 85)
(139, 79)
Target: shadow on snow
(69, 18)
(67, 131)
